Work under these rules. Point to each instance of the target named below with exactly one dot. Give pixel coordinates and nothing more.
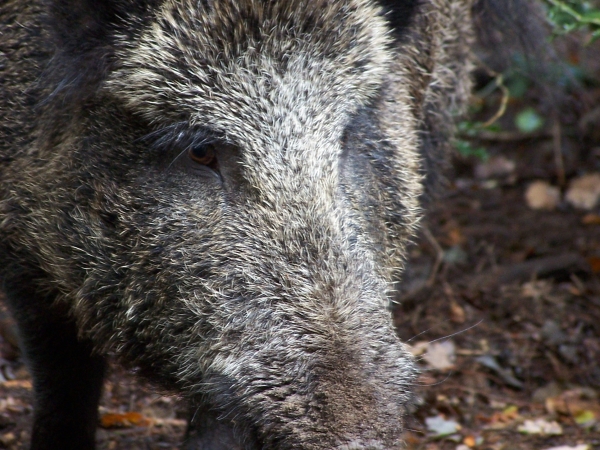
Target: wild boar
(220, 193)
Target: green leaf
(518, 86)
(466, 149)
(528, 121)
(585, 418)
(592, 15)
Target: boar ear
(85, 36)
(400, 14)
(80, 26)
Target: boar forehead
(280, 64)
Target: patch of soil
(518, 294)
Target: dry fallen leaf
(25, 384)
(440, 355)
(540, 426)
(584, 192)
(594, 263)
(455, 237)
(585, 418)
(418, 348)
(536, 289)
(506, 373)
(541, 195)
(502, 419)
(440, 426)
(411, 439)
(469, 441)
(457, 312)
(569, 447)
(579, 403)
(591, 219)
(124, 420)
(496, 166)
(8, 439)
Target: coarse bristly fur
(256, 287)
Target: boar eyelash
(178, 135)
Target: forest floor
(500, 303)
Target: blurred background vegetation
(540, 79)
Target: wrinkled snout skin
(220, 194)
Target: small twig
(505, 136)
(526, 271)
(503, 103)
(499, 82)
(439, 256)
(478, 352)
(558, 156)
(543, 267)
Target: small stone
(542, 195)
(8, 439)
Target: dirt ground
(500, 303)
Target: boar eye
(203, 154)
